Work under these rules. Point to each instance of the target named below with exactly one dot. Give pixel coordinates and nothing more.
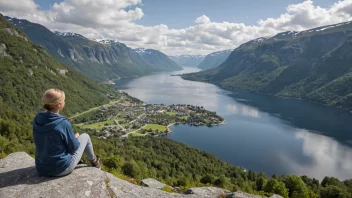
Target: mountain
(188, 60)
(99, 59)
(158, 60)
(314, 64)
(26, 71)
(214, 59)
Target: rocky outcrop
(214, 59)
(207, 191)
(3, 49)
(13, 32)
(98, 60)
(152, 183)
(19, 178)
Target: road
(126, 135)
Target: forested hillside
(158, 60)
(26, 71)
(188, 60)
(214, 59)
(313, 64)
(100, 60)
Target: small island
(126, 115)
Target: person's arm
(72, 141)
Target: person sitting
(57, 149)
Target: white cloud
(326, 156)
(202, 19)
(116, 19)
(26, 6)
(96, 14)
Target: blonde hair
(52, 97)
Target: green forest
(312, 65)
(27, 71)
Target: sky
(178, 27)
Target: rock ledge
(18, 178)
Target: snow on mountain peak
(105, 41)
(189, 56)
(142, 51)
(69, 34)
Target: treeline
(179, 165)
(26, 71)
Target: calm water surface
(263, 133)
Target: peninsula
(126, 115)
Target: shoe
(96, 162)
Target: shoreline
(170, 131)
(231, 89)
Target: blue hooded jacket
(55, 143)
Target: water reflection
(316, 118)
(243, 110)
(167, 89)
(263, 133)
(327, 157)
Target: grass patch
(99, 125)
(126, 178)
(171, 113)
(184, 117)
(121, 119)
(79, 124)
(125, 125)
(155, 127)
(137, 133)
(167, 188)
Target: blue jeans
(85, 146)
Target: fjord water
(262, 133)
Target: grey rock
(19, 178)
(207, 191)
(13, 32)
(3, 49)
(240, 194)
(152, 183)
(276, 196)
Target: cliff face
(100, 59)
(188, 60)
(18, 178)
(214, 59)
(314, 64)
(158, 60)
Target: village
(128, 116)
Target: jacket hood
(46, 121)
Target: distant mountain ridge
(188, 60)
(99, 59)
(26, 71)
(314, 64)
(158, 60)
(214, 59)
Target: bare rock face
(243, 195)
(13, 32)
(208, 191)
(3, 49)
(152, 183)
(19, 178)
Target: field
(98, 125)
(137, 133)
(155, 127)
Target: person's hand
(77, 135)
